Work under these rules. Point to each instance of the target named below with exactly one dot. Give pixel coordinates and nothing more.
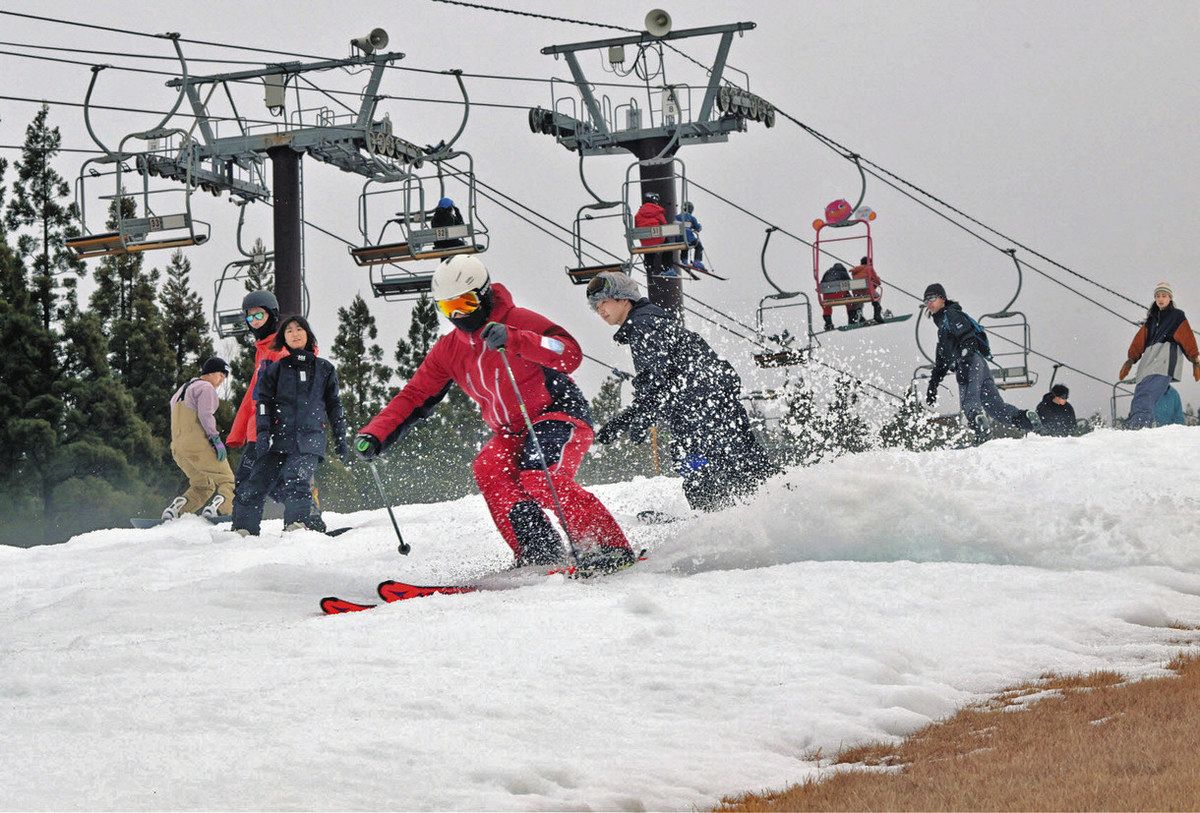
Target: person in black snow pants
(962, 347)
(1058, 416)
(685, 386)
(297, 396)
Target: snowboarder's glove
(931, 394)
(262, 445)
(343, 453)
(366, 446)
(494, 335)
(639, 428)
(625, 420)
(1125, 368)
(218, 447)
(613, 429)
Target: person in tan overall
(197, 448)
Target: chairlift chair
(419, 237)
(132, 235)
(672, 233)
(229, 320)
(152, 230)
(853, 229)
(1010, 368)
(582, 273)
(790, 354)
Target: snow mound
(184, 667)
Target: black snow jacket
(297, 398)
(1056, 420)
(957, 339)
(680, 380)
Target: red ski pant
(508, 472)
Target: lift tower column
(285, 188)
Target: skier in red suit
(508, 471)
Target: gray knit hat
(612, 285)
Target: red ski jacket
(650, 214)
(541, 354)
(243, 430)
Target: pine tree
(29, 409)
(361, 371)
(422, 333)
(39, 206)
(433, 461)
(184, 324)
(622, 459)
(915, 428)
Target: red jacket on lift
(243, 429)
(650, 214)
(541, 354)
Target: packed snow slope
(186, 667)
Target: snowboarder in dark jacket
(446, 214)
(1058, 416)
(962, 347)
(297, 398)
(684, 385)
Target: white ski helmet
(458, 274)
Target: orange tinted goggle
(461, 305)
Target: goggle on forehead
(598, 289)
(461, 305)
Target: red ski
(392, 591)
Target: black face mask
(473, 321)
(267, 328)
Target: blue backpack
(981, 337)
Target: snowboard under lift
(888, 318)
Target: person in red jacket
(650, 213)
(866, 270)
(262, 315)
(510, 475)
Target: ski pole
(537, 447)
(403, 547)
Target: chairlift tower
(682, 114)
(201, 157)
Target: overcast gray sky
(1070, 126)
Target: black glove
(615, 427)
(262, 445)
(640, 428)
(931, 394)
(366, 446)
(343, 452)
(494, 335)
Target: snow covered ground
(185, 667)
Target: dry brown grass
(1093, 743)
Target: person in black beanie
(1058, 416)
(963, 347)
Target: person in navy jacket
(297, 399)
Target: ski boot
(981, 427)
(600, 560)
(210, 511)
(172, 511)
(312, 522)
(829, 323)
